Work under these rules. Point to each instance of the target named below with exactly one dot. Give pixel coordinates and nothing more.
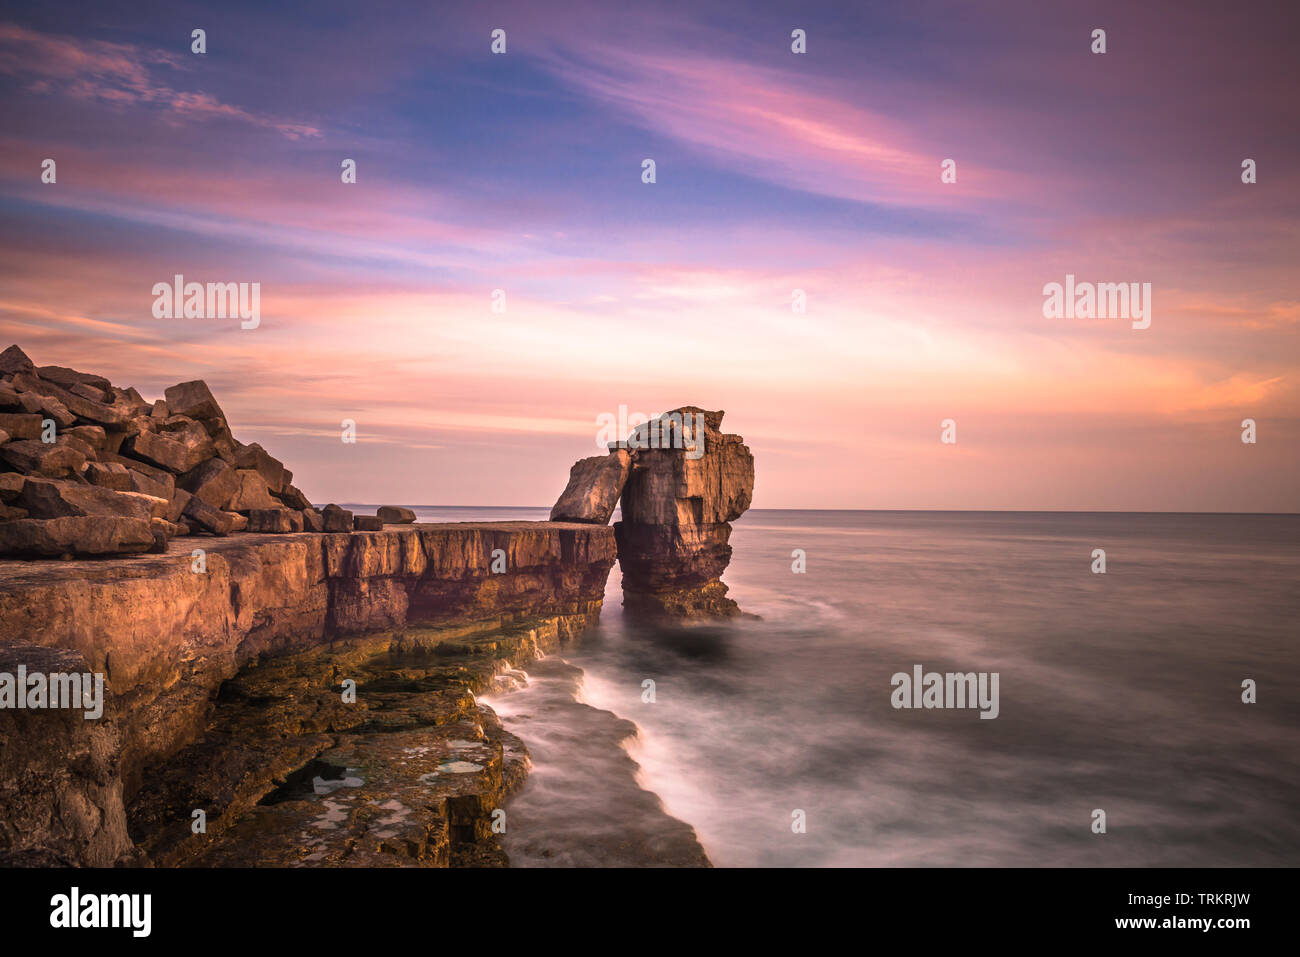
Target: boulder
(186, 431)
(54, 409)
(594, 487)
(32, 457)
(20, 425)
(109, 475)
(293, 498)
(214, 482)
(97, 412)
(162, 451)
(336, 519)
(202, 515)
(367, 523)
(11, 483)
(250, 492)
(270, 520)
(75, 535)
(61, 375)
(13, 360)
(193, 399)
(10, 399)
(395, 515)
(312, 520)
(92, 435)
(273, 472)
(56, 498)
(176, 506)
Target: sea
(1147, 714)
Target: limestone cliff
(167, 636)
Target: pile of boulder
(678, 502)
(87, 468)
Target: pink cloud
(117, 73)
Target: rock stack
(677, 503)
(87, 468)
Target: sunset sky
(775, 171)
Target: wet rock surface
(408, 773)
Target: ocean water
(1119, 692)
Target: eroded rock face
(677, 506)
(593, 490)
(167, 636)
(59, 776)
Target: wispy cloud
(121, 75)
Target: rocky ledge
(171, 631)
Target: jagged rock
(92, 435)
(176, 506)
(70, 441)
(275, 520)
(14, 360)
(193, 399)
(251, 492)
(273, 472)
(312, 520)
(61, 375)
(56, 498)
(189, 433)
(97, 412)
(144, 477)
(163, 451)
(75, 535)
(9, 513)
(293, 498)
(395, 515)
(11, 483)
(594, 487)
(32, 457)
(367, 523)
(214, 482)
(159, 410)
(21, 426)
(677, 506)
(131, 400)
(210, 519)
(336, 519)
(54, 409)
(10, 399)
(109, 475)
(238, 523)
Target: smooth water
(1119, 691)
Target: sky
(775, 171)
